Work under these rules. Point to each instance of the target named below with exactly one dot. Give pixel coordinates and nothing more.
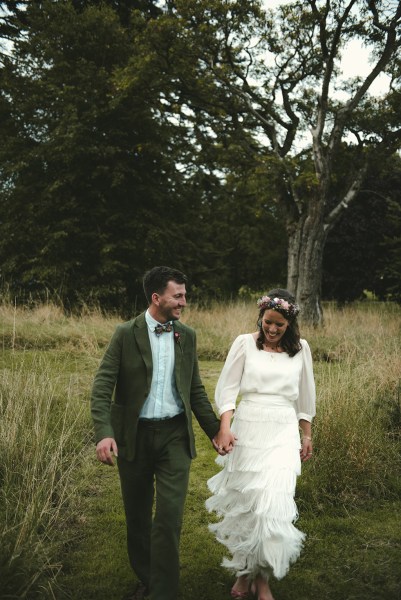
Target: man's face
(168, 306)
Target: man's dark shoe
(140, 593)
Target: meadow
(61, 524)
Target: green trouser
(162, 457)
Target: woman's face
(274, 326)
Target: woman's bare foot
(261, 589)
(240, 587)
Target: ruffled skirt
(254, 492)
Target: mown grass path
(350, 554)
(355, 556)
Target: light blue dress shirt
(163, 401)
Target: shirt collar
(151, 322)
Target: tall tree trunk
(306, 240)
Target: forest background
(125, 143)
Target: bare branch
(328, 73)
(351, 193)
(268, 126)
(291, 130)
(321, 19)
(376, 20)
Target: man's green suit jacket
(122, 384)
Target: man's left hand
(224, 442)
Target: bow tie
(159, 329)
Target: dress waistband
(268, 399)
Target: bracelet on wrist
(306, 437)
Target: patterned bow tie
(159, 329)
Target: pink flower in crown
(264, 300)
(290, 309)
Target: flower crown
(283, 306)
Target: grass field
(61, 524)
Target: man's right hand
(104, 449)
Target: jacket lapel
(179, 342)
(142, 338)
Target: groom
(144, 393)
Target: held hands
(104, 449)
(224, 442)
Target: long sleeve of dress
(306, 402)
(229, 382)
(249, 370)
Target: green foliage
(265, 83)
(94, 189)
(137, 133)
(364, 252)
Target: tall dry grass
(46, 326)
(44, 432)
(358, 423)
(48, 362)
(218, 325)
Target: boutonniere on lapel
(177, 336)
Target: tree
(229, 118)
(88, 163)
(58, 177)
(276, 77)
(99, 182)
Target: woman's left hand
(306, 451)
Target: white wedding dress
(254, 492)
